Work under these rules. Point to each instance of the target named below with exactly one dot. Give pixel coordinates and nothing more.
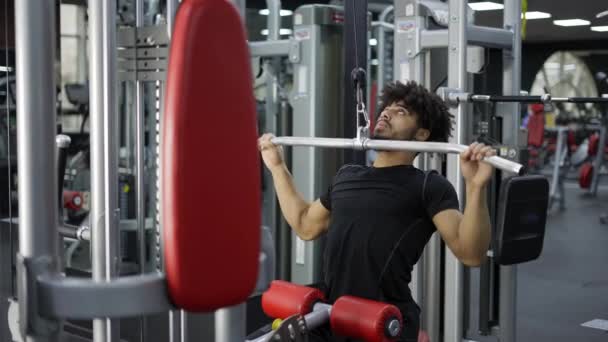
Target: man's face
(396, 123)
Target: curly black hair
(431, 112)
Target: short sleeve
(439, 195)
(326, 198)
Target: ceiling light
(282, 31)
(571, 22)
(536, 15)
(284, 12)
(373, 42)
(486, 6)
(599, 28)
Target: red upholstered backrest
(210, 163)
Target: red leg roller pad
(210, 193)
(364, 319)
(285, 299)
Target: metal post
(140, 150)
(560, 152)
(175, 328)
(38, 239)
(432, 301)
(172, 6)
(414, 66)
(381, 41)
(177, 319)
(457, 79)
(510, 132)
(408, 57)
(431, 314)
(104, 180)
(82, 44)
(271, 66)
(409, 60)
(597, 162)
(230, 323)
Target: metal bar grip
(396, 145)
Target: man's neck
(394, 158)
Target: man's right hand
(271, 154)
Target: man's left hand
(474, 171)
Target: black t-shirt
(380, 222)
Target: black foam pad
(521, 219)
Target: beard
(377, 136)
(409, 136)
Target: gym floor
(568, 285)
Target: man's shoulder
(351, 168)
(437, 183)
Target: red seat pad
(210, 172)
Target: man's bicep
(318, 216)
(440, 195)
(447, 222)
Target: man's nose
(384, 115)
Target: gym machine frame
(412, 42)
(45, 295)
(454, 98)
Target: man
(378, 219)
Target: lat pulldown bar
(395, 145)
(454, 98)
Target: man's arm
(467, 235)
(308, 220)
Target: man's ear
(422, 134)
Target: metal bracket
(81, 298)
(142, 53)
(28, 271)
(294, 51)
(45, 296)
(452, 97)
(292, 329)
(439, 11)
(508, 152)
(277, 48)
